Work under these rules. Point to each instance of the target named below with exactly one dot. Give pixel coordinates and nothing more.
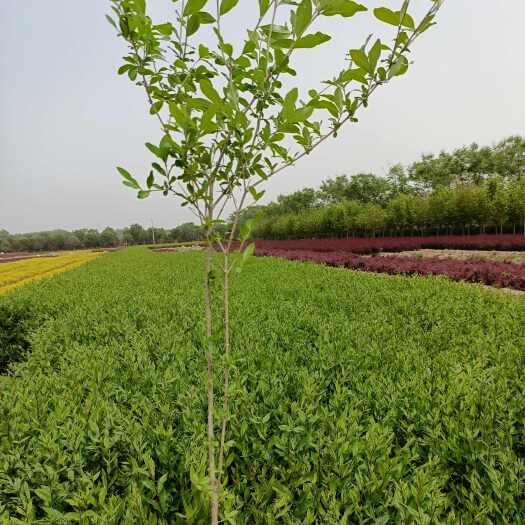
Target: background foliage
(471, 190)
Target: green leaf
(141, 6)
(290, 99)
(325, 104)
(360, 59)
(128, 178)
(408, 21)
(164, 29)
(303, 17)
(386, 15)
(142, 194)
(124, 68)
(206, 18)
(198, 103)
(246, 228)
(313, 40)
(156, 107)
(158, 152)
(193, 7)
(264, 5)
(399, 67)
(255, 194)
(248, 251)
(245, 255)
(358, 75)
(374, 54)
(393, 17)
(209, 91)
(193, 25)
(346, 8)
(427, 22)
(300, 115)
(204, 52)
(179, 115)
(150, 180)
(111, 21)
(227, 6)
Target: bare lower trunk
(214, 497)
(226, 322)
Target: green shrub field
(356, 398)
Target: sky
(67, 119)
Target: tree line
(470, 190)
(91, 238)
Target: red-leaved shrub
(500, 274)
(399, 244)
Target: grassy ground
(356, 399)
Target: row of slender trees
(472, 189)
(92, 238)
(495, 206)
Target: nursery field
(356, 399)
(18, 273)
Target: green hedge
(357, 399)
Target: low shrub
(16, 322)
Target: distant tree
(334, 190)
(301, 200)
(498, 202)
(362, 187)
(403, 214)
(400, 182)
(471, 164)
(108, 237)
(138, 234)
(517, 203)
(187, 232)
(5, 241)
(509, 157)
(81, 236)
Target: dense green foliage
(472, 189)
(357, 205)
(471, 164)
(357, 399)
(17, 319)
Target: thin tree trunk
(214, 497)
(226, 323)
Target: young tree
(228, 124)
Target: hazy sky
(67, 119)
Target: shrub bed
(371, 245)
(493, 273)
(355, 399)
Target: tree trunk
(226, 325)
(214, 497)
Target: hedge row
(399, 244)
